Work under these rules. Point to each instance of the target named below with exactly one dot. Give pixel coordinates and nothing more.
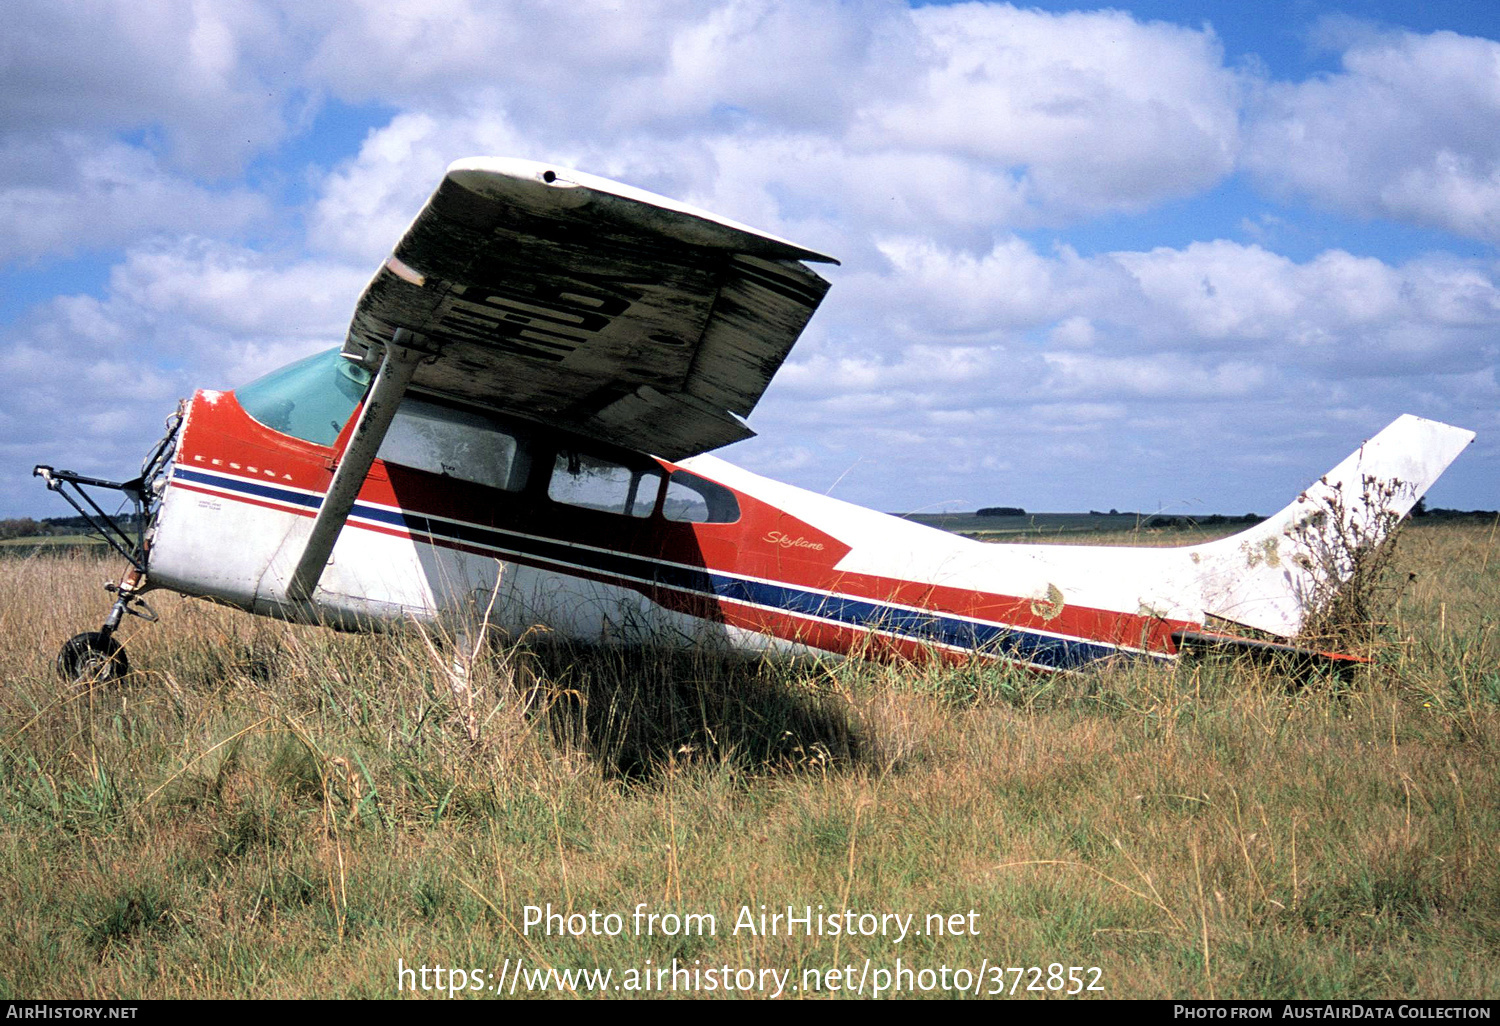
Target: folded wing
(590, 306)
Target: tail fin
(1277, 574)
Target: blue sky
(1151, 255)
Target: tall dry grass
(271, 810)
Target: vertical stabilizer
(1273, 576)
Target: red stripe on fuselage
(789, 626)
(220, 434)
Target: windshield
(310, 399)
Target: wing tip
(554, 185)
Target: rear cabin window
(696, 500)
(310, 399)
(455, 443)
(590, 482)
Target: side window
(594, 483)
(455, 443)
(696, 500)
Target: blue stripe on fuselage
(918, 625)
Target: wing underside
(590, 306)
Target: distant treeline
(1453, 514)
(26, 527)
(1148, 519)
(1212, 520)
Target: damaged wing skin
(590, 306)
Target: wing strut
(396, 369)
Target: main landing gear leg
(95, 657)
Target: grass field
(266, 810)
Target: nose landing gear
(95, 657)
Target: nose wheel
(95, 657)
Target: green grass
(266, 810)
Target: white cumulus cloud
(1409, 129)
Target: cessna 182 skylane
(520, 413)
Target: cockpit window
(579, 479)
(310, 399)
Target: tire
(92, 658)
